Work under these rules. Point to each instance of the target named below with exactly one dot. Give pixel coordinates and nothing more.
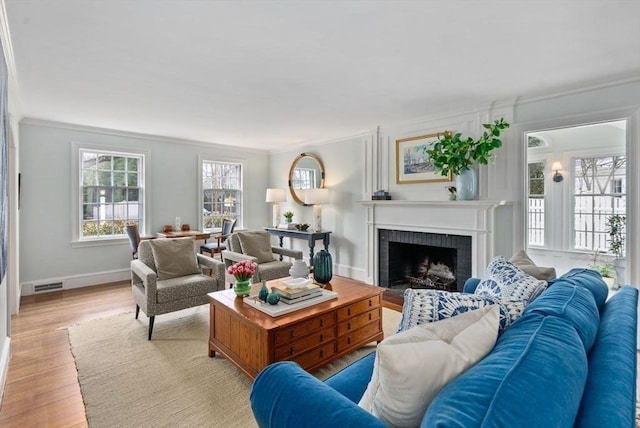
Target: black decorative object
(322, 267)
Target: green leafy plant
(288, 216)
(616, 230)
(452, 153)
(604, 267)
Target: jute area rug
(170, 381)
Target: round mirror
(307, 172)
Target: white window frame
(76, 193)
(212, 159)
(570, 161)
(544, 163)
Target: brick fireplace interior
(409, 259)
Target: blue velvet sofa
(569, 360)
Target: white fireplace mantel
(488, 223)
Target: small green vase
(242, 288)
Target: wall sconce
(276, 196)
(316, 197)
(557, 177)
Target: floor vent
(47, 287)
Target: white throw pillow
(411, 367)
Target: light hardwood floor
(42, 387)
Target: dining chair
(134, 238)
(228, 224)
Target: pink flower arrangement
(242, 271)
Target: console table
(310, 237)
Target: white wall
(358, 165)
(343, 215)
(46, 250)
(596, 104)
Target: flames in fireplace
(430, 274)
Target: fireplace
(411, 259)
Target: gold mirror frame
(320, 167)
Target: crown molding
(128, 134)
(584, 87)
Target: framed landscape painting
(412, 162)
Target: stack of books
(291, 296)
(287, 226)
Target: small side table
(310, 237)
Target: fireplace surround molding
(488, 223)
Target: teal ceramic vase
(242, 288)
(273, 298)
(322, 267)
(264, 292)
(467, 185)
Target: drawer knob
(369, 316)
(322, 353)
(349, 311)
(370, 303)
(321, 337)
(292, 350)
(321, 322)
(348, 326)
(348, 340)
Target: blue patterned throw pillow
(506, 282)
(423, 306)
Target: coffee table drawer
(358, 321)
(289, 350)
(303, 328)
(315, 356)
(357, 337)
(358, 307)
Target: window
(221, 193)
(598, 194)
(111, 188)
(304, 178)
(536, 203)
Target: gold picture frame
(412, 162)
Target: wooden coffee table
(313, 336)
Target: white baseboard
(5, 357)
(351, 272)
(78, 281)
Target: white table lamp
(316, 197)
(276, 196)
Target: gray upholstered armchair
(256, 246)
(167, 277)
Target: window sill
(101, 242)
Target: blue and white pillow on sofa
(506, 282)
(423, 306)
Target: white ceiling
(271, 74)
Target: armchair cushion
(256, 244)
(174, 257)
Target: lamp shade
(276, 195)
(556, 166)
(316, 196)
